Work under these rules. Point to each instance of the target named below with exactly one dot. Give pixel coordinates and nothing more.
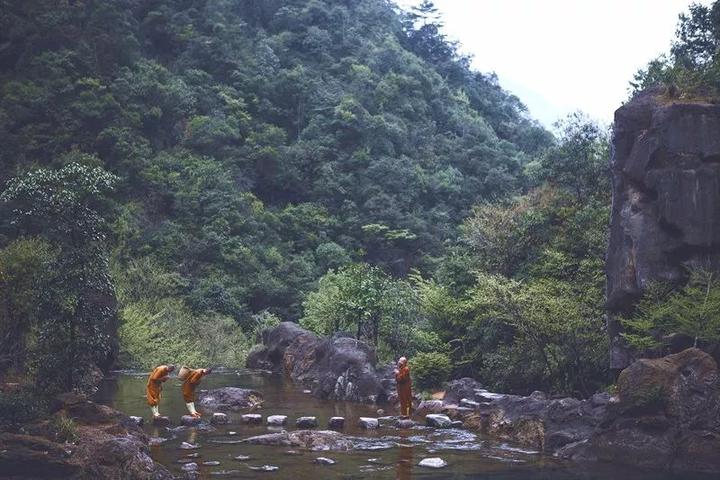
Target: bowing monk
(192, 380)
(159, 375)
(404, 386)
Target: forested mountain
(255, 144)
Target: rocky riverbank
(108, 445)
(665, 415)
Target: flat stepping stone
(264, 468)
(161, 421)
(190, 467)
(438, 420)
(277, 420)
(251, 419)
(219, 419)
(232, 434)
(324, 461)
(336, 423)
(368, 423)
(469, 403)
(405, 423)
(185, 460)
(387, 420)
(306, 422)
(211, 463)
(188, 446)
(190, 421)
(432, 462)
(292, 452)
(241, 458)
(192, 455)
(139, 421)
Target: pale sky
(559, 56)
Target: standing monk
(159, 375)
(192, 380)
(404, 386)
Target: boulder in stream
(219, 419)
(251, 418)
(368, 423)
(306, 422)
(277, 420)
(190, 421)
(336, 423)
(229, 399)
(323, 440)
(433, 462)
(438, 420)
(324, 461)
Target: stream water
(385, 453)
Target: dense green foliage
(664, 311)
(256, 144)
(430, 370)
(692, 68)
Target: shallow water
(385, 453)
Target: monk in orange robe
(158, 376)
(404, 386)
(188, 388)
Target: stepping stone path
(188, 446)
(324, 461)
(241, 458)
(404, 423)
(219, 419)
(251, 418)
(369, 423)
(190, 421)
(264, 468)
(433, 462)
(277, 420)
(438, 420)
(336, 423)
(139, 421)
(306, 422)
(161, 421)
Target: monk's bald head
(402, 361)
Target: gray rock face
(339, 368)
(404, 423)
(229, 399)
(368, 423)
(438, 420)
(139, 421)
(336, 423)
(306, 422)
(317, 440)
(666, 197)
(456, 390)
(251, 418)
(277, 420)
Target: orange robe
(191, 383)
(154, 384)
(404, 389)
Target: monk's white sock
(191, 408)
(155, 411)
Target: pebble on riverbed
(277, 420)
(188, 446)
(368, 423)
(433, 462)
(336, 423)
(324, 461)
(264, 468)
(306, 422)
(251, 418)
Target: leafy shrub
(21, 407)
(430, 370)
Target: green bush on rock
(429, 370)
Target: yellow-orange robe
(190, 383)
(154, 384)
(404, 389)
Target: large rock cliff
(666, 200)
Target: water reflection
(387, 453)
